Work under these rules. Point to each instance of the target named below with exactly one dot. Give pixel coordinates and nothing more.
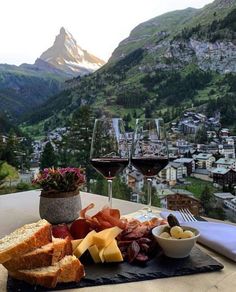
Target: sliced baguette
(44, 256)
(24, 239)
(68, 269)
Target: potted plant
(60, 198)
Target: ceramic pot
(59, 207)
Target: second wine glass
(109, 149)
(149, 153)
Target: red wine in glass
(109, 153)
(149, 166)
(109, 167)
(149, 153)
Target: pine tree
(10, 150)
(75, 146)
(3, 174)
(206, 199)
(201, 135)
(48, 157)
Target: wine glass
(149, 153)
(109, 149)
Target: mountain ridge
(178, 65)
(65, 54)
(25, 87)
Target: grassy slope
(197, 186)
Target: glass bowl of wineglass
(109, 153)
(149, 153)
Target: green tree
(217, 213)
(207, 199)
(74, 149)
(120, 189)
(48, 157)
(3, 173)
(10, 150)
(201, 135)
(134, 114)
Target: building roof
(233, 201)
(183, 160)
(202, 171)
(182, 192)
(174, 165)
(220, 170)
(224, 196)
(225, 161)
(136, 175)
(203, 156)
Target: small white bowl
(175, 248)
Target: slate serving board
(104, 274)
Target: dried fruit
(172, 220)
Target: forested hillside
(180, 60)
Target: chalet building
(3, 139)
(224, 176)
(189, 127)
(221, 198)
(183, 146)
(226, 163)
(231, 204)
(204, 160)
(224, 132)
(189, 163)
(173, 172)
(178, 201)
(135, 181)
(212, 148)
(228, 150)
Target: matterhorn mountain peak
(66, 55)
(62, 30)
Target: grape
(187, 234)
(165, 235)
(176, 232)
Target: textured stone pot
(59, 207)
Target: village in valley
(200, 176)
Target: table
(20, 208)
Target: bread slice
(44, 256)
(68, 269)
(24, 239)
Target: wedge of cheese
(85, 244)
(112, 253)
(101, 254)
(75, 243)
(106, 236)
(94, 252)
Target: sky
(29, 27)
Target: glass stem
(109, 181)
(149, 193)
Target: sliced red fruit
(79, 228)
(61, 231)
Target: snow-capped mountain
(68, 56)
